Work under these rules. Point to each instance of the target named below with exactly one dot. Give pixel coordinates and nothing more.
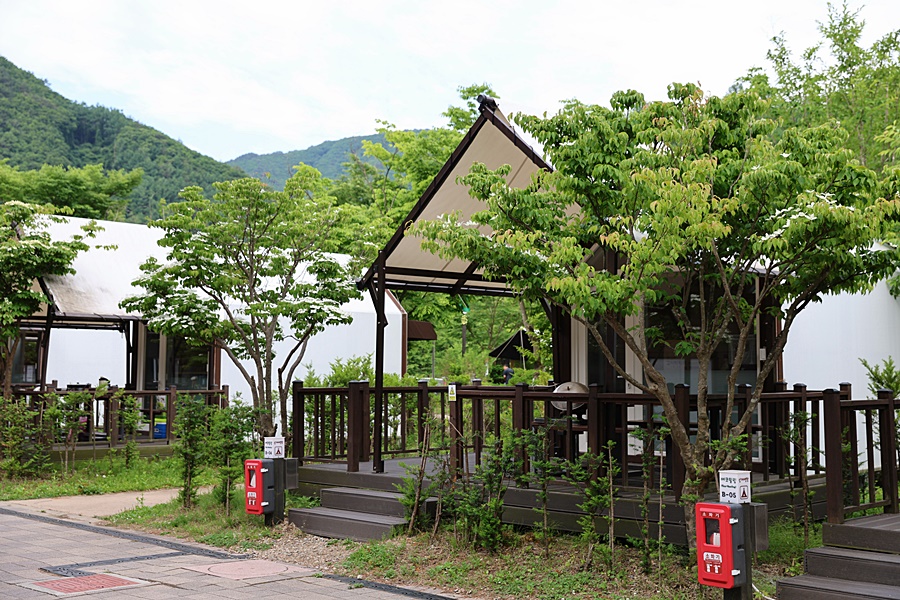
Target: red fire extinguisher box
(259, 486)
(721, 558)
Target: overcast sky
(228, 77)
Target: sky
(227, 77)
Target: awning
(420, 330)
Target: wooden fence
(100, 412)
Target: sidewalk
(53, 547)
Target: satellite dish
(569, 387)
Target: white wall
(828, 339)
(86, 355)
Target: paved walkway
(54, 547)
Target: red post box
(721, 558)
(259, 487)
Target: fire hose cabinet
(259, 486)
(721, 556)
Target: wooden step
(854, 565)
(345, 524)
(879, 533)
(811, 587)
(367, 501)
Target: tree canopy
(246, 270)
(88, 192)
(711, 219)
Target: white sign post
(451, 392)
(734, 487)
(273, 447)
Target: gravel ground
(310, 551)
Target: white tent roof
(493, 141)
(102, 277)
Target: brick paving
(37, 550)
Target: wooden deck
(873, 532)
(520, 503)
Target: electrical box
(259, 486)
(721, 556)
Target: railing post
(683, 410)
(834, 480)
(112, 434)
(886, 427)
(521, 420)
(355, 420)
(594, 420)
(800, 407)
(298, 421)
(224, 397)
(422, 415)
(457, 440)
(170, 415)
(365, 392)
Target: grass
(97, 477)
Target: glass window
(187, 366)
(25, 360)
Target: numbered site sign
(734, 487)
(273, 447)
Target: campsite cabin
(83, 335)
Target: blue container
(159, 431)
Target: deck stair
(854, 564)
(356, 514)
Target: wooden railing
(100, 417)
(855, 481)
(334, 424)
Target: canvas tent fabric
(509, 349)
(103, 274)
(493, 141)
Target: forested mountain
(328, 157)
(39, 126)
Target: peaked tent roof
(491, 140)
(510, 348)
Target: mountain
(327, 157)
(39, 126)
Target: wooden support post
(298, 421)
(683, 410)
(834, 478)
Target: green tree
(88, 192)
(246, 270)
(714, 222)
(837, 79)
(28, 253)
